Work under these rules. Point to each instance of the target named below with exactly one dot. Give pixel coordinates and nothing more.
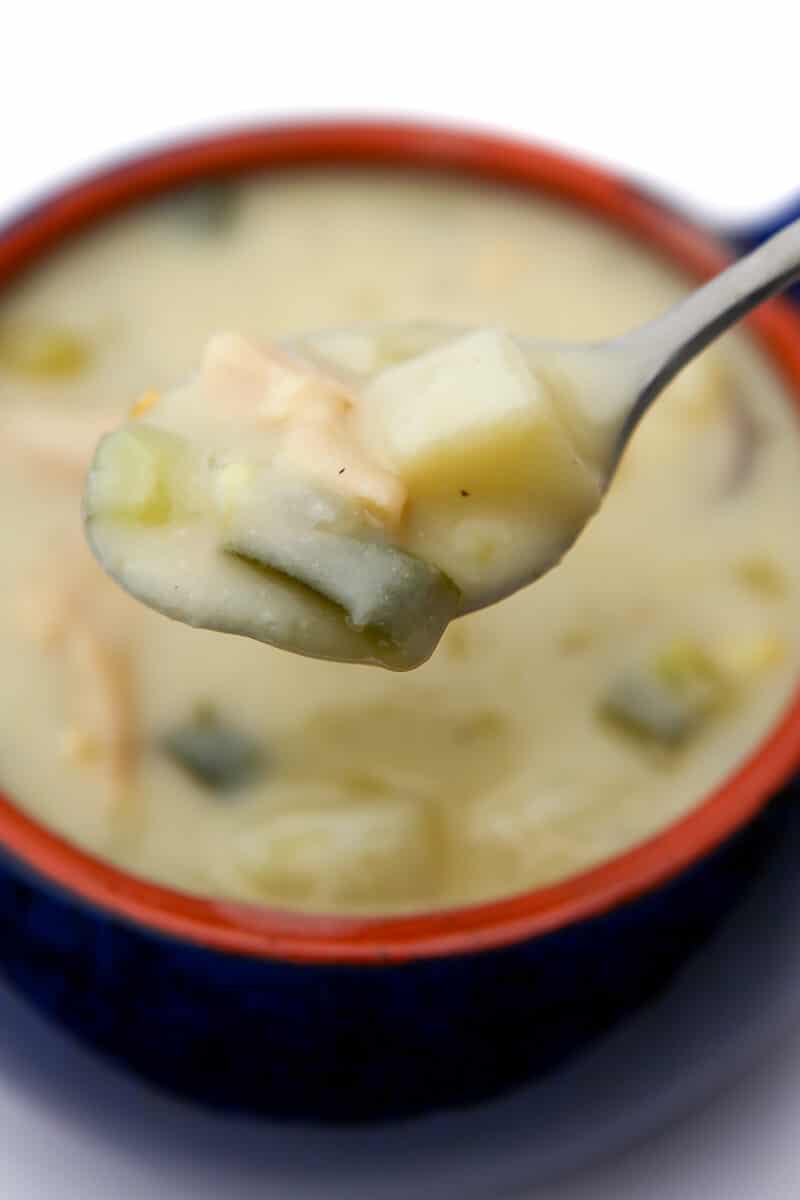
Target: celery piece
(379, 587)
(216, 755)
(207, 208)
(41, 352)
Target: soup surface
(545, 733)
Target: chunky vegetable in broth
(545, 734)
(216, 755)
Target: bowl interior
(254, 930)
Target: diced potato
(137, 473)
(470, 416)
(126, 479)
(230, 487)
(346, 853)
(505, 838)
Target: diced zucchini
(381, 588)
(645, 707)
(41, 351)
(670, 700)
(690, 671)
(216, 755)
(137, 473)
(763, 577)
(471, 417)
(205, 208)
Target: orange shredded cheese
(144, 403)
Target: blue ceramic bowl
(351, 1019)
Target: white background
(702, 99)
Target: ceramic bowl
(342, 1018)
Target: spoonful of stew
(348, 494)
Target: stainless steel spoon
(612, 383)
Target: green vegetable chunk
(381, 588)
(216, 755)
(205, 208)
(668, 701)
(139, 472)
(644, 707)
(763, 577)
(39, 351)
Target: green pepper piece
(671, 699)
(216, 755)
(643, 707)
(206, 208)
(380, 588)
(40, 351)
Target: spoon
(608, 386)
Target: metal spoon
(612, 383)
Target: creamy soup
(545, 733)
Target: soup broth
(546, 733)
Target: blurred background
(700, 98)
(701, 101)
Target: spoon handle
(670, 341)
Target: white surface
(702, 99)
